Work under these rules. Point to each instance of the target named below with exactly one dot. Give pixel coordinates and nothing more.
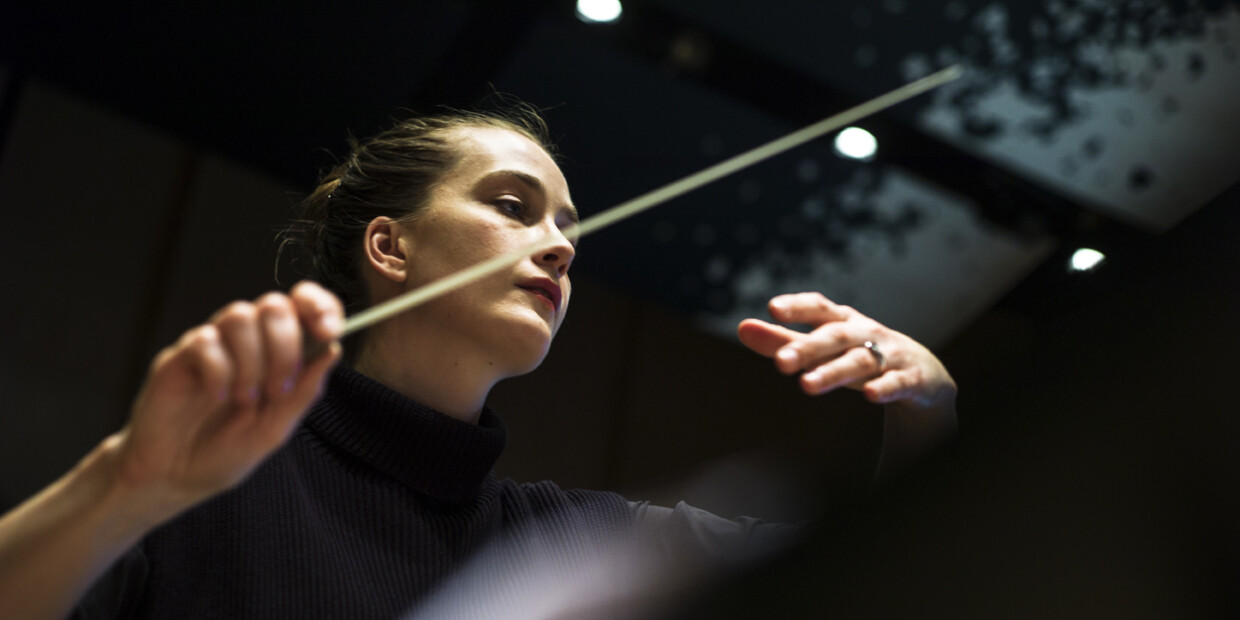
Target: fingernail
(788, 356)
(288, 384)
(252, 394)
(780, 304)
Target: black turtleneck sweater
(371, 504)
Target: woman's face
(506, 193)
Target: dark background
(151, 153)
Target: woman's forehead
(482, 147)
(486, 151)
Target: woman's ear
(385, 254)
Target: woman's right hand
(225, 396)
(214, 405)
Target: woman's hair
(391, 174)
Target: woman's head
(412, 175)
(504, 197)
(389, 175)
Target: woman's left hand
(903, 373)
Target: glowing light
(1085, 259)
(598, 11)
(856, 143)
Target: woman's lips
(545, 290)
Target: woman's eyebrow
(531, 181)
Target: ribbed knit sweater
(373, 502)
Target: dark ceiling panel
(267, 84)
(747, 74)
(469, 63)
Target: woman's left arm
(848, 349)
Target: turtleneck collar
(426, 450)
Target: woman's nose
(557, 253)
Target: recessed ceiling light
(598, 11)
(1085, 259)
(856, 143)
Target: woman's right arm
(214, 405)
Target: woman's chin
(527, 343)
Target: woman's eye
(511, 207)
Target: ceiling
(1076, 122)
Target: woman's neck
(425, 367)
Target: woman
(215, 500)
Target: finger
(822, 345)
(848, 369)
(210, 358)
(811, 308)
(829, 342)
(195, 366)
(765, 338)
(891, 386)
(238, 327)
(320, 312)
(202, 351)
(281, 343)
